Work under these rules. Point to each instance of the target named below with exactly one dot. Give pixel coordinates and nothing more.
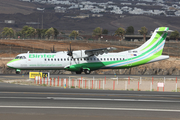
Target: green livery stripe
(97, 65)
(158, 35)
(148, 59)
(141, 62)
(13, 60)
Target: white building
(137, 11)
(158, 12)
(126, 8)
(141, 4)
(60, 9)
(97, 10)
(88, 7)
(74, 6)
(177, 13)
(126, 3)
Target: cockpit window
(17, 57)
(20, 57)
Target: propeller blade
(70, 51)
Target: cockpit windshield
(20, 57)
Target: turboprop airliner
(89, 60)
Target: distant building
(141, 4)
(97, 15)
(137, 11)
(26, 0)
(126, 3)
(177, 13)
(60, 9)
(9, 21)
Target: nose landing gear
(18, 71)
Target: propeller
(53, 50)
(70, 52)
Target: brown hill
(87, 25)
(16, 6)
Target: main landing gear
(85, 71)
(79, 72)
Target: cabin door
(129, 57)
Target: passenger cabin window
(51, 59)
(48, 59)
(45, 59)
(110, 58)
(64, 59)
(114, 58)
(54, 59)
(107, 58)
(123, 58)
(58, 59)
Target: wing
(99, 51)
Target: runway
(44, 103)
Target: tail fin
(156, 42)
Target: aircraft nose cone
(9, 64)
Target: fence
(132, 84)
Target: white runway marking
(92, 99)
(23, 98)
(144, 95)
(101, 99)
(91, 108)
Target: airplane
(90, 60)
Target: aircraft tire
(79, 72)
(87, 71)
(17, 72)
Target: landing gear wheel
(87, 71)
(17, 72)
(79, 72)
